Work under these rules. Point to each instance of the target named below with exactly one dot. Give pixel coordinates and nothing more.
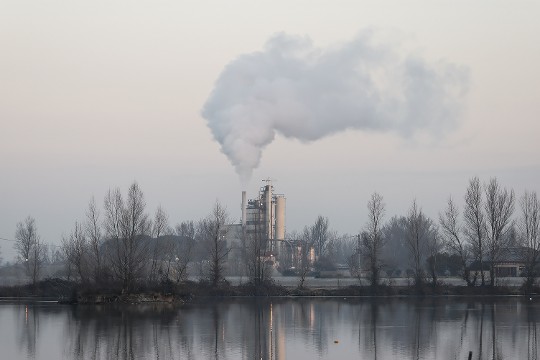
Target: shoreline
(65, 292)
(177, 302)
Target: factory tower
(264, 218)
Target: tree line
(120, 244)
(470, 240)
(477, 236)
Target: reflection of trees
(432, 328)
(374, 327)
(415, 345)
(481, 332)
(218, 332)
(260, 346)
(464, 323)
(492, 346)
(262, 327)
(532, 339)
(122, 332)
(425, 333)
(28, 332)
(493, 333)
(320, 320)
(310, 319)
(293, 328)
(367, 319)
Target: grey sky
(98, 94)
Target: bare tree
(288, 254)
(45, 252)
(355, 258)
(499, 207)
(65, 250)
(25, 235)
(320, 235)
(433, 248)
(256, 255)
(396, 251)
(529, 228)
(372, 240)
(37, 258)
(475, 224)
(95, 240)
(305, 243)
(331, 246)
(452, 232)
(113, 223)
(213, 233)
(126, 224)
(419, 229)
(56, 255)
(344, 246)
(75, 248)
(161, 223)
(160, 227)
(29, 248)
(183, 249)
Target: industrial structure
(264, 218)
(261, 229)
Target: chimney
(244, 203)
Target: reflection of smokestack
(244, 208)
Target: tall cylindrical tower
(244, 206)
(268, 212)
(280, 217)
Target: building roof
(513, 254)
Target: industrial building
(262, 221)
(264, 217)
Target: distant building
(263, 219)
(511, 262)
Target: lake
(275, 328)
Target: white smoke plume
(303, 92)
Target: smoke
(303, 92)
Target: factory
(262, 220)
(264, 217)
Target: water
(277, 328)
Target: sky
(96, 95)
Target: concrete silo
(280, 217)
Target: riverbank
(69, 292)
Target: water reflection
(276, 329)
(28, 332)
(532, 339)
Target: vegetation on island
(119, 250)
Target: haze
(98, 95)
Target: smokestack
(244, 204)
(268, 211)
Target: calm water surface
(278, 328)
